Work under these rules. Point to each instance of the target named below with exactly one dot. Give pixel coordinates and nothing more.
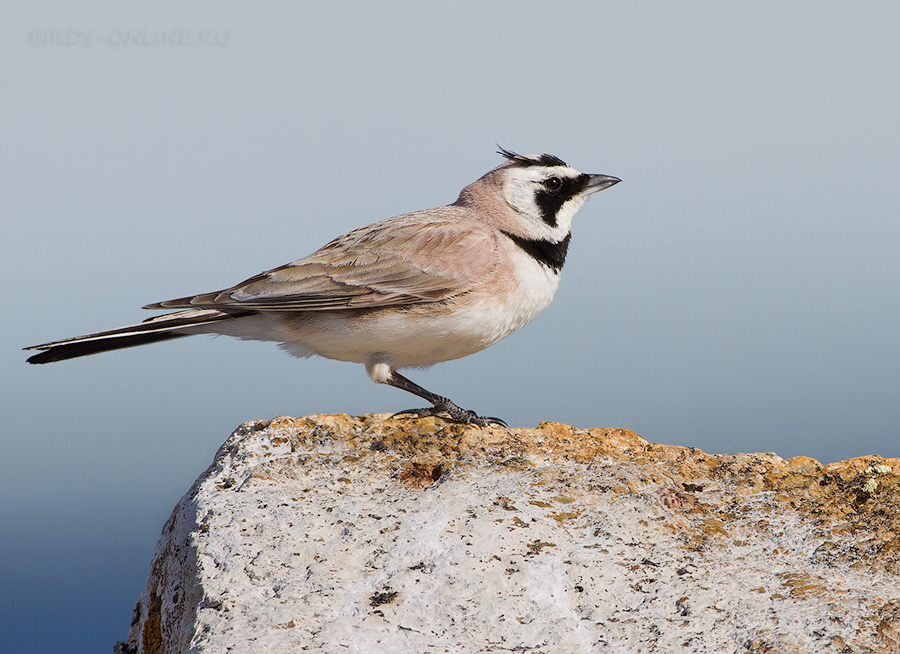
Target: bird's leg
(441, 404)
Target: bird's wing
(407, 260)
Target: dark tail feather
(152, 330)
(84, 348)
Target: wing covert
(411, 259)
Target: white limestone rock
(340, 534)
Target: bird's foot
(456, 413)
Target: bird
(409, 291)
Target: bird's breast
(535, 285)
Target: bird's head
(540, 193)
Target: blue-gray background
(738, 292)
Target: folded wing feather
(414, 261)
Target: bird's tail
(152, 330)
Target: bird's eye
(553, 184)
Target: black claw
(418, 413)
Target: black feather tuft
(525, 160)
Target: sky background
(737, 292)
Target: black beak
(598, 183)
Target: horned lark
(412, 290)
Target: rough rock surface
(339, 534)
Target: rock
(339, 534)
